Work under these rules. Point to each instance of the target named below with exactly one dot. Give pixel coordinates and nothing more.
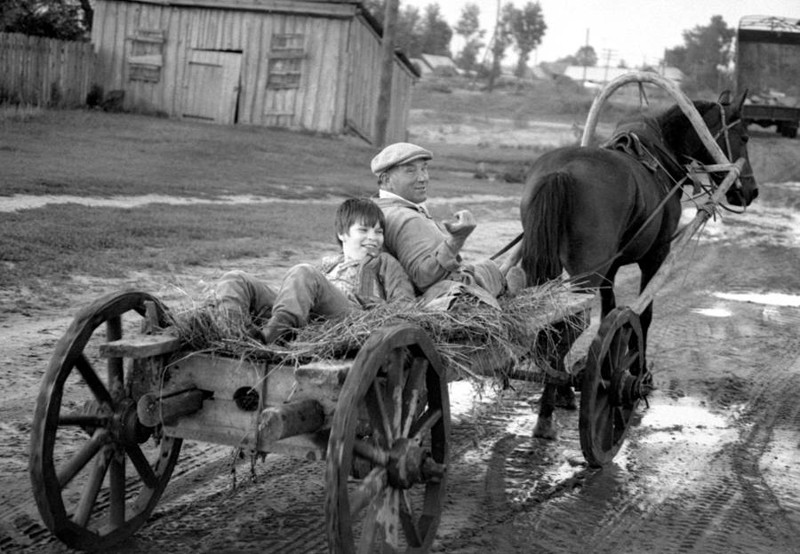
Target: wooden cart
(119, 396)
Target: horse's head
(724, 121)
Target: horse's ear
(725, 98)
(739, 101)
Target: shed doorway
(211, 86)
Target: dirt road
(710, 466)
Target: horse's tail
(543, 223)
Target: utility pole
(583, 83)
(387, 68)
(608, 53)
(495, 64)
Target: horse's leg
(545, 422)
(608, 300)
(648, 268)
(552, 347)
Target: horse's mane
(674, 124)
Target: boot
(515, 280)
(277, 328)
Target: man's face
(409, 181)
(361, 240)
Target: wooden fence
(45, 72)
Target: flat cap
(396, 154)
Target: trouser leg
(241, 293)
(306, 293)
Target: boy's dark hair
(357, 210)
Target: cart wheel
(612, 386)
(96, 473)
(393, 416)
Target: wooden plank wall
(339, 73)
(318, 104)
(45, 72)
(366, 58)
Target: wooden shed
(302, 64)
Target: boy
(359, 277)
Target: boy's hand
(460, 229)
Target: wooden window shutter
(146, 57)
(286, 55)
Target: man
(429, 251)
(360, 277)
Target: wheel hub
(126, 426)
(410, 464)
(627, 389)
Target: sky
(636, 31)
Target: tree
(706, 53)
(60, 19)
(417, 35)
(586, 56)
(468, 27)
(527, 27)
(408, 38)
(501, 40)
(435, 33)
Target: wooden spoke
(81, 420)
(92, 380)
(412, 393)
(92, 488)
(370, 452)
(79, 480)
(394, 391)
(408, 520)
(424, 425)
(82, 457)
(116, 480)
(389, 517)
(149, 478)
(379, 413)
(369, 489)
(370, 525)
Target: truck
(768, 67)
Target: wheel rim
(388, 449)
(97, 473)
(611, 386)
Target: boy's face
(409, 181)
(361, 240)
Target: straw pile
(466, 330)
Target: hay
(462, 334)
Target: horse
(591, 210)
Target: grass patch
(19, 112)
(67, 239)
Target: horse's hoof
(565, 398)
(545, 429)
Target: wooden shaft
(290, 419)
(685, 104)
(154, 409)
(684, 237)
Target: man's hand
(460, 229)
